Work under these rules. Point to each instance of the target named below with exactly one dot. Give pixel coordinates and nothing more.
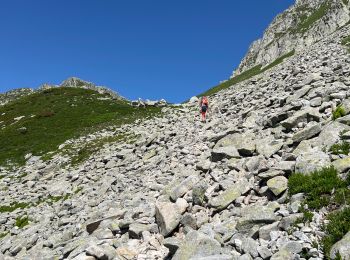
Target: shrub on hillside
(338, 112)
(335, 230)
(341, 148)
(22, 221)
(322, 188)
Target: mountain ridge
(69, 82)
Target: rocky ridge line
(287, 33)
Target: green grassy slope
(55, 115)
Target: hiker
(204, 106)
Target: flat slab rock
(256, 215)
(197, 245)
(228, 196)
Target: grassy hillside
(246, 75)
(48, 118)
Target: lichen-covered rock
(228, 196)
(278, 184)
(342, 165)
(244, 143)
(256, 215)
(197, 244)
(282, 255)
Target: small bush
(346, 41)
(322, 188)
(341, 148)
(338, 112)
(338, 226)
(22, 221)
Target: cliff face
(301, 25)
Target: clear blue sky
(140, 48)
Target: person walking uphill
(204, 106)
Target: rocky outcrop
(14, 94)
(79, 83)
(301, 25)
(70, 82)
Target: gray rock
(264, 231)
(268, 146)
(167, 216)
(342, 165)
(342, 248)
(173, 244)
(288, 221)
(197, 245)
(286, 166)
(93, 225)
(97, 252)
(198, 194)
(245, 257)
(244, 143)
(184, 187)
(311, 160)
(264, 252)
(282, 255)
(307, 133)
(298, 94)
(293, 247)
(212, 257)
(189, 220)
(254, 163)
(278, 184)
(228, 196)
(136, 229)
(306, 115)
(255, 215)
(220, 153)
(270, 174)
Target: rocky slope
(303, 24)
(188, 190)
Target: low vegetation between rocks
(338, 112)
(325, 189)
